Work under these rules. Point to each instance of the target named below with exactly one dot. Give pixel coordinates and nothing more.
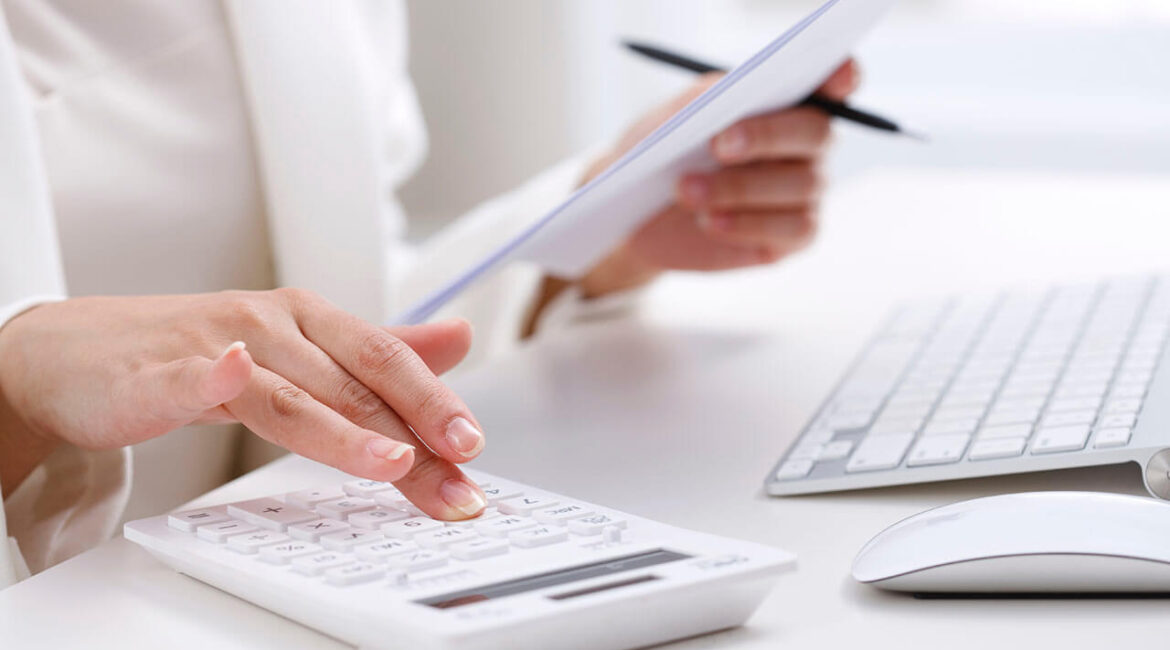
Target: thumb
(179, 392)
(441, 345)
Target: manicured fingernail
(696, 189)
(388, 449)
(464, 438)
(462, 497)
(717, 221)
(732, 143)
(238, 345)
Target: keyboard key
(938, 450)
(347, 539)
(287, 551)
(343, 508)
(945, 427)
(352, 574)
(1058, 439)
(1123, 405)
(806, 450)
(1118, 420)
(408, 528)
(366, 489)
(1075, 404)
(1005, 431)
(540, 536)
(992, 448)
(1069, 418)
(220, 531)
(249, 543)
(1111, 437)
(444, 537)
(373, 519)
(879, 452)
(1013, 416)
(381, 551)
(311, 531)
(835, 450)
(793, 469)
(595, 524)
(308, 499)
(504, 526)
(421, 560)
(313, 565)
(885, 427)
(525, 505)
(190, 520)
(477, 549)
(559, 514)
(850, 421)
(270, 513)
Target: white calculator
(358, 562)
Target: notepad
(579, 232)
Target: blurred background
(511, 86)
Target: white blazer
(318, 115)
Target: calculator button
(408, 528)
(218, 532)
(525, 505)
(284, 553)
(352, 574)
(366, 489)
(270, 513)
(488, 514)
(542, 536)
(502, 526)
(308, 499)
(372, 519)
(594, 524)
(417, 561)
(379, 551)
(347, 539)
(188, 521)
(477, 549)
(395, 500)
(313, 565)
(444, 537)
(343, 508)
(497, 493)
(560, 514)
(311, 531)
(249, 543)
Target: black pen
(830, 106)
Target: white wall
(510, 86)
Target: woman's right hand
(107, 372)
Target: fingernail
(464, 438)
(461, 496)
(696, 189)
(238, 345)
(718, 221)
(732, 143)
(388, 449)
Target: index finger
(390, 368)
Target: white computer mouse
(1035, 542)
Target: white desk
(677, 414)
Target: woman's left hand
(758, 207)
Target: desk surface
(677, 412)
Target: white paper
(593, 221)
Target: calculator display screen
(561, 577)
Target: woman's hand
(102, 373)
(757, 208)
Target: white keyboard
(357, 561)
(995, 384)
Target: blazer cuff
(11, 310)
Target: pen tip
(915, 135)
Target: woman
(161, 158)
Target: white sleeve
(30, 263)
(75, 499)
